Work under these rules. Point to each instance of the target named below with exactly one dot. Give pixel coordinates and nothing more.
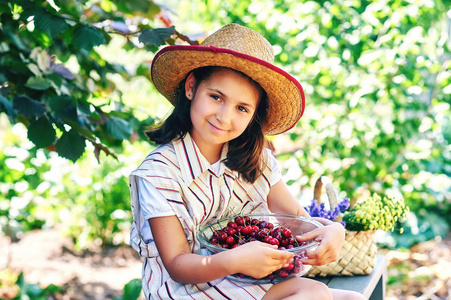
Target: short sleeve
(276, 174)
(153, 204)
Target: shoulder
(161, 159)
(162, 154)
(268, 159)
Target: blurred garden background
(75, 95)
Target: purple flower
(344, 204)
(319, 209)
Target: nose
(225, 114)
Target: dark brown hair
(244, 152)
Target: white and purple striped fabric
(198, 194)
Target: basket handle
(330, 191)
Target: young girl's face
(222, 107)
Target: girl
(212, 163)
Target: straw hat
(240, 48)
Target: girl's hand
(258, 259)
(330, 238)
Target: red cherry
(243, 229)
(231, 231)
(274, 241)
(278, 236)
(269, 225)
(267, 239)
(232, 225)
(246, 230)
(230, 240)
(276, 230)
(222, 236)
(286, 232)
(239, 221)
(261, 234)
(282, 273)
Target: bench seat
(371, 286)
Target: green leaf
(71, 145)
(15, 39)
(7, 107)
(41, 132)
(51, 288)
(143, 8)
(29, 107)
(86, 37)
(34, 290)
(21, 283)
(132, 289)
(49, 24)
(156, 36)
(38, 83)
(60, 102)
(118, 128)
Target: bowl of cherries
(275, 229)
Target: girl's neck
(212, 154)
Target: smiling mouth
(216, 128)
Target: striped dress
(198, 194)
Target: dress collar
(193, 163)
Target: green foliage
(52, 76)
(132, 290)
(377, 80)
(22, 187)
(15, 287)
(90, 201)
(34, 291)
(376, 76)
(420, 227)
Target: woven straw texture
(358, 254)
(285, 94)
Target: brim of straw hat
(286, 100)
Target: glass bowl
(210, 238)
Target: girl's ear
(190, 86)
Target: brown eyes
(218, 98)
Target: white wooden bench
(371, 286)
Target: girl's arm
(255, 259)
(280, 200)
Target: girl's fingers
(317, 259)
(311, 235)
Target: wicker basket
(358, 254)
